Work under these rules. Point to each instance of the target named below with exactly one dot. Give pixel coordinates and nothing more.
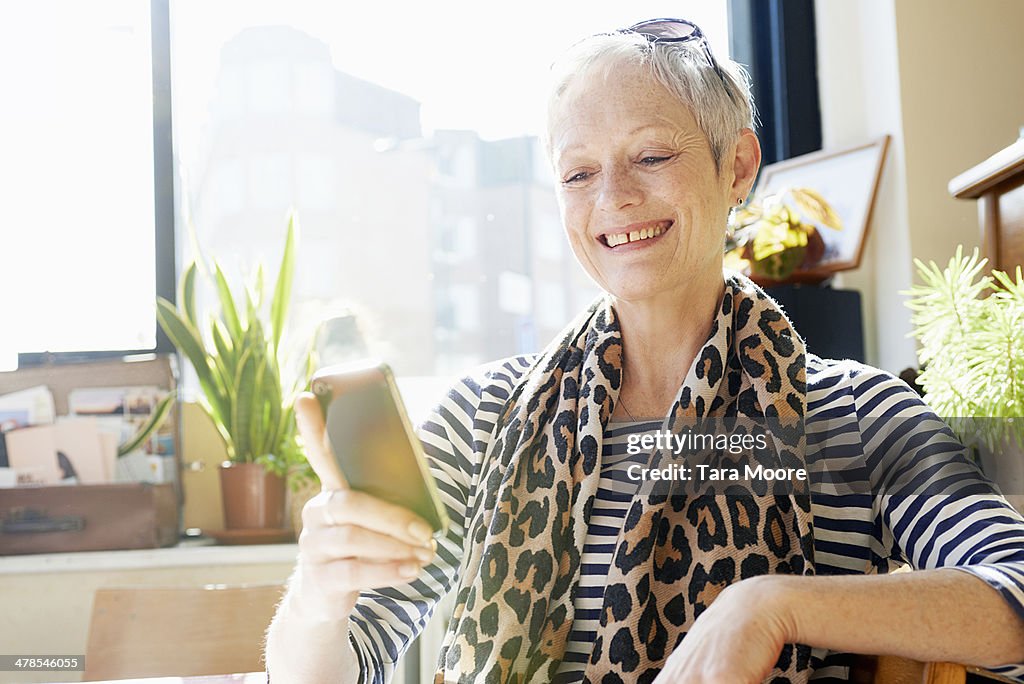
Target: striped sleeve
(935, 507)
(385, 621)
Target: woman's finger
(350, 507)
(354, 542)
(355, 575)
(310, 422)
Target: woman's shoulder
(482, 391)
(497, 380)
(503, 374)
(863, 389)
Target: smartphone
(373, 440)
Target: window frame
(777, 41)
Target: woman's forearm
(929, 615)
(300, 651)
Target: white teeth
(616, 239)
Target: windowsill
(188, 554)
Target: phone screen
(373, 449)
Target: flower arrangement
(774, 235)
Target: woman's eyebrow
(645, 127)
(660, 127)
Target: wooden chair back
(178, 631)
(896, 670)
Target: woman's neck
(661, 336)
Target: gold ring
(327, 509)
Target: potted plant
(971, 333)
(247, 391)
(774, 235)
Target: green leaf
(222, 342)
(227, 304)
(187, 339)
(241, 411)
(257, 286)
(156, 419)
(253, 334)
(257, 418)
(188, 294)
(272, 388)
(283, 288)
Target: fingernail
(420, 531)
(408, 570)
(423, 554)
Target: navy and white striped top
(857, 529)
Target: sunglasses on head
(677, 31)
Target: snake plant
(238, 358)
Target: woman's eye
(577, 177)
(651, 160)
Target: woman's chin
(634, 292)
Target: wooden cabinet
(998, 185)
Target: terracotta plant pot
(253, 498)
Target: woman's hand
(350, 541)
(737, 640)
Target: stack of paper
(39, 448)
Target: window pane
(409, 148)
(76, 176)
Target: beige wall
(962, 101)
(942, 79)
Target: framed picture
(848, 180)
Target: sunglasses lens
(664, 29)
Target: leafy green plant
(238, 357)
(774, 235)
(971, 331)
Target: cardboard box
(87, 518)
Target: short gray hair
(722, 110)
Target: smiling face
(641, 200)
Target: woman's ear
(745, 163)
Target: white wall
(942, 78)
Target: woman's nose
(619, 189)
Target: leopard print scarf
(674, 554)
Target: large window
(77, 234)
(407, 141)
(405, 138)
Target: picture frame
(848, 179)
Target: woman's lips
(636, 233)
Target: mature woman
(562, 579)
